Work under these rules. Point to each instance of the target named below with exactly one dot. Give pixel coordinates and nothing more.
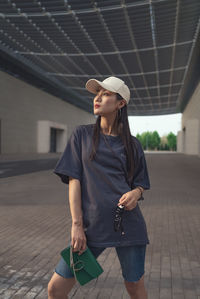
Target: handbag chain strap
(72, 261)
(73, 265)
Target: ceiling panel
(152, 45)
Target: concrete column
(192, 137)
(180, 142)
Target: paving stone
(39, 227)
(43, 294)
(178, 296)
(37, 288)
(4, 286)
(21, 293)
(165, 293)
(30, 295)
(7, 294)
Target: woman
(105, 167)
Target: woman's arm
(75, 201)
(78, 238)
(130, 198)
(141, 189)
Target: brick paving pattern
(35, 225)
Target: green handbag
(85, 266)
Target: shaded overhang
(58, 45)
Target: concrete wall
(27, 113)
(188, 139)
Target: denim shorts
(131, 258)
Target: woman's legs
(63, 279)
(59, 287)
(132, 260)
(136, 290)
(61, 282)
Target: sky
(163, 124)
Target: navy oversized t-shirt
(103, 182)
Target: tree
(171, 138)
(155, 140)
(145, 139)
(152, 140)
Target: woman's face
(105, 102)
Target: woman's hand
(130, 199)
(78, 238)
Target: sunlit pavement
(35, 226)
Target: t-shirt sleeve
(70, 163)
(141, 176)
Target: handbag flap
(91, 266)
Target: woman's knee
(59, 287)
(133, 287)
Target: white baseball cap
(113, 84)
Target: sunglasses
(118, 218)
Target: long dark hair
(121, 126)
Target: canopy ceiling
(58, 45)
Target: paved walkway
(35, 226)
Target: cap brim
(93, 86)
